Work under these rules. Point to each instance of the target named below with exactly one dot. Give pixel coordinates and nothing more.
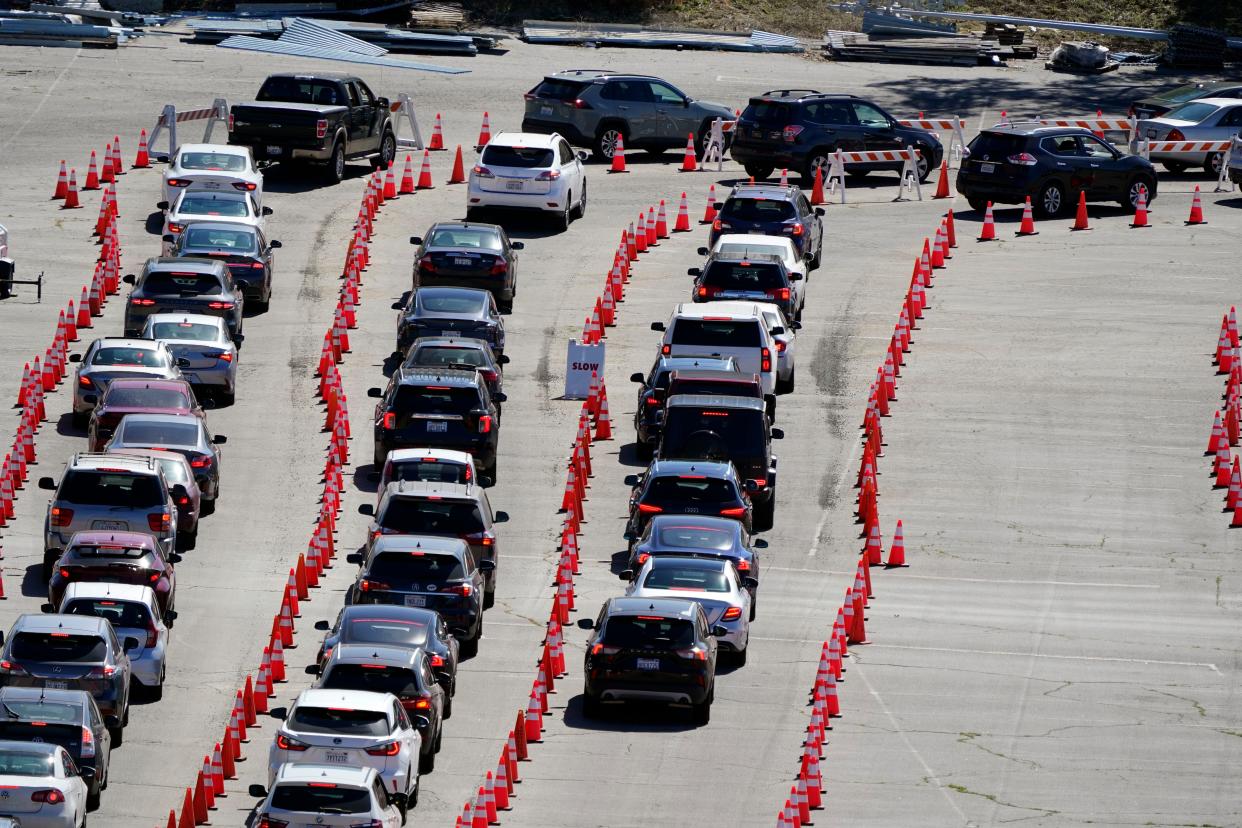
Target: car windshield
(321, 797)
(1192, 112)
(400, 632)
(161, 283)
(757, 209)
(57, 646)
(415, 566)
(745, 276)
(108, 488)
(374, 678)
(339, 720)
(697, 578)
(199, 331)
(440, 399)
(121, 396)
(440, 301)
(496, 155)
(443, 355)
(635, 631)
(206, 205)
(752, 249)
(44, 711)
(146, 432)
(407, 516)
(429, 470)
(103, 553)
(717, 333)
(715, 434)
(130, 358)
(219, 238)
(472, 237)
(118, 613)
(214, 161)
(690, 488)
(21, 763)
(694, 537)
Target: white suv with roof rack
(724, 329)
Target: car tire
(1051, 201)
(580, 210)
(787, 386)
(1175, 167)
(412, 800)
(439, 739)
(470, 647)
(565, 216)
(156, 693)
(262, 305)
(228, 397)
(448, 706)
(760, 172)
(592, 708)
(92, 798)
(505, 306)
(1212, 164)
(817, 158)
(979, 205)
(118, 736)
(764, 515)
(489, 599)
(387, 153)
(923, 166)
(427, 762)
(606, 141)
(335, 171)
(1130, 202)
(739, 658)
(80, 419)
(815, 261)
(207, 507)
(702, 712)
(754, 608)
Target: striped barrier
(954, 125)
(217, 113)
(835, 181)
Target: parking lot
(1062, 649)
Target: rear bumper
(999, 192)
(260, 151)
(679, 693)
(765, 156)
(552, 201)
(497, 285)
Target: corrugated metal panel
(770, 39)
(544, 31)
(310, 33)
(275, 47)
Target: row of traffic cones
(96, 174)
(1081, 218)
(1226, 466)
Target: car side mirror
(279, 713)
(626, 574)
(322, 626)
(778, 434)
(353, 558)
(47, 608)
(267, 211)
(375, 392)
(182, 362)
(631, 480)
(87, 773)
(367, 509)
(171, 615)
(383, 103)
(485, 481)
(749, 583)
(129, 279)
(582, 155)
(239, 339)
(795, 325)
(517, 245)
(75, 357)
(112, 722)
(130, 643)
(751, 486)
(638, 378)
(47, 483)
(416, 240)
(819, 211)
(778, 330)
(501, 517)
(275, 244)
(703, 251)
(657, 326)
(421, 722)
(795, 277)
(694, 271)
(500, 396)
(219, 440)
(718, 631)
(759, 543)
(257, 791)
(161, 205)
(90, 399)
(586, 624)
(169, 237)
(487, 566)
(503, 359)
(398, 306)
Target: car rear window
(374, 678)
(197, 205)
(447, 355)
(64, 647)
(44, 711)
(181, 284)
(99, 553)
(993, 145)
(339, 721)
(185, 330)
(696, 537)
(130, 357)
(118, 613)
(440, 399)
(21, 763)
(156, 433)
(632, 631)
(712, 386)
(717, 333)
(213, 161)
(558, 90)
(101, 488)
(322, 798)
(768, 112)
(428, 470)
(1193, 112)
(298, 90)
(752, 249)
(674, 577)
(415, 566)
(123, 397)
(745, 276)
(757, 209)
(219, 237)
(407, 516)
(455, 302)
(496, 155)
(473, 237)
(175, 470)
(713, 434)
(690, 489)
(400, 632)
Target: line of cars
(704, 415)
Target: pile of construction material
(46, 25)
(387, 38)
(1196, 47)
(653, 37)
(945, 50)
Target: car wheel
(439, 739)
(118, 736)
(470, 647)
(764, 515)
(592, 708)
(228, 396)
(388, 152)
(207, 507)
(1175, 167)
(565, 216)
(979, 205)
(818, 159)
(580, 210)
(786, 386)
(427, 761)
(489, 599)
(412, 800)
(759, 172)
(448, 706)
(606, 142)
(336, 165)
(702, 712)
(92, 798)
(1050, 202)
(125, 717)
(754, 608)
(1137, 185)
(739, 658)
(816, 260)
(923, 165)
(1212, 164)
(156, 693)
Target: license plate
(649, 664)
(336, 757)
(545, 110)
(987, 168)
(514, 185)
(273, 150)
(56, 685)
(691, 510)
(416, 600)
(110, 525)
(463, 262)
(437, 425)
(211, 185)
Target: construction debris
(654, 37)
(958, 50)
(1084, 58)
(384, 38)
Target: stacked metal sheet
(557, 32)
(928, 51)
(38, 29)
(214, 30)
(305, 38)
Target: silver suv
(109, 492)
(592, 107)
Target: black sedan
(687, 487)
(451, 312)
(464, 353)
(400, 627)
(246, 251)
(468, 254)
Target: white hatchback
(331, 796)
(529, 171)
(43, 787)
(212, 167)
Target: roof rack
(789, 93)
(745, 255)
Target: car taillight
(257, 265)
(1022, 159)
(717, 224)
(791, 133)
(500, 268)
(437, 661)
(223, 356)
(1175, 135)
(780, 346)
(88, 743)
(765, 360)
(604, 649)
(245, 186)
(488, 376)
(548, 175)
(425, 263)
(104, 671)
(795, 229)
(61, 516)
(694, 654)
(650, 508)
(283, 742)
(482, 171)
(266, 821)
(416, 703)
(143, 303)
(733, 511)
(368, 585)
(179, 182)
(386, 749)
(152, 636)
(173, 227)
(200, 462)
(485, 424)
(465, 591)
(51, 796)
(390, 421)
(64, 572)
(12, 667)
(642, 558)
(154, 577)
(732, 614)
(666, 349)
(780, 294)
(159, 522)
(581, 104)
(759, 482)
(652, 401)
(85, 382)
(321, 127)
(707, 291)
(743, 566)
(219, 305)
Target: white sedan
(1206, 119)
(210, 205)
(40, 785)
(713, 583)
(352, 728)
(786, 355)
(212, 167)
(527, 171)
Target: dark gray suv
(592, 107)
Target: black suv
(799, 129)
(651, 649)
(446, 409)
(773, 210)
(757, 278)
(701, 427)
(1009, 162)
(687, 487)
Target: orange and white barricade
(217, 113)
(954, 126)
(835, 181)
(403, 113)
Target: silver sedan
(207, 353)
(1207, 119)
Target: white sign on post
(580, 362)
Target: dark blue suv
(773, 210)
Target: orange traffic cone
(1196, 210)
(1140, 210)
(942, 186)
(485, 133)
(618, 157)
(989, 226)
(437, 135)
(71, 196)
(118, 166)
(682, 224)
(661, 222)
(1080, 220)
(142, 160)
(690, 162)
(817, 192)
(390, 182)
(1028, 220)
(92, 175)
(951, 232)
(709, 215)
(603, 425)
(897, 552)
(1217, 437)
(62, 183)
(106, 174)
(458, 175)
(424, 175)
(407, 177)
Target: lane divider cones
(817, 192)
(458, 176)
(661, 222)
(1196, 210)
(989, 226)
(709, 215)
(682, 224)
(897, 552)
(942, 186)
(92, 175)
(1217, 437)
(118, 166)
(106, 174)
(1140, 210)
(437, 135)
(62, 183)
(390, 182)
(71, 196)
(950, 230)
(1080, 220)
(618, 157)
(485, 133)
(1027, 227)
(142, 160)
(690, 162)
(407, 177)
(424, 175)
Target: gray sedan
(183, 433)
(1207, 119)
(207, 354)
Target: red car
(117, 558)
(138, 396)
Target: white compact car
(332, 796)
(212, 167)
(210, 353)
(42, 787)
(785, 345)
(713, 583)
(233, 206)
(133, 611)
(527, 171)
(351, 728)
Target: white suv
(526, 171)
(724, 329)
(333, 796)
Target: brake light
(581, 104)
(223, 356)
(64, 572)
(666, 350)
(437, 661)
(88, 743)
(152, 636)
(1175, 135)
(652, 401)
(796, 229)
(488, 376)
(245, 186)
(367, 585)
(50, 795)
(390, 421)
(1022, 159)
(465, 591)
(707, 291)
(61, 516)
(780, 347)
(791, 133)
(283, 742)
(734, 511)
(386, 749)
(230, 122)
(143, 303)
(159, 522)
(266, 821)
(85, 382)
(173, 227)
(321, 127)
(321, 784)
(482, 171)
(425, 263)
(500, 268)
(732, 614)
(154, 577)
(716, 225)
(780, 294)
(416, 703)
(694, 654)
(485, 424)
(12, 667)
(759, 482)
(105, 671)
(743, 566)
(179, 182)
(642, 558)
(765, 360)
(650, 508)
(548, 175)
(218, 305)
(604, 649)
(200, 462)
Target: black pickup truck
(325, 118)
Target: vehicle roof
(596, 74)
(28, 747)
(711, 375)
(356, 699)
(425, 543)
(399, 455)
(48, 623)
(155, 453)
(192, 264)
(1034, 128)
(97, 460)
(196, 318)
(793, 95)
(229, 149)
(222, 224)
(426, 375)
(676, 468)
(668, 607)
(746, 256)
(466, 225)
(336, 76)
(296, 773)
(127, 342)
(373, 653)
(774, 192)
(1217, 101)
(706, 521)
(396, 612)
(135, 540)
(143, 417)
(154, 382)
(78, 697)
(756, 239)
(138, 593)
(428, 488)
(714, 401)
(524, 139)
(731, 308)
